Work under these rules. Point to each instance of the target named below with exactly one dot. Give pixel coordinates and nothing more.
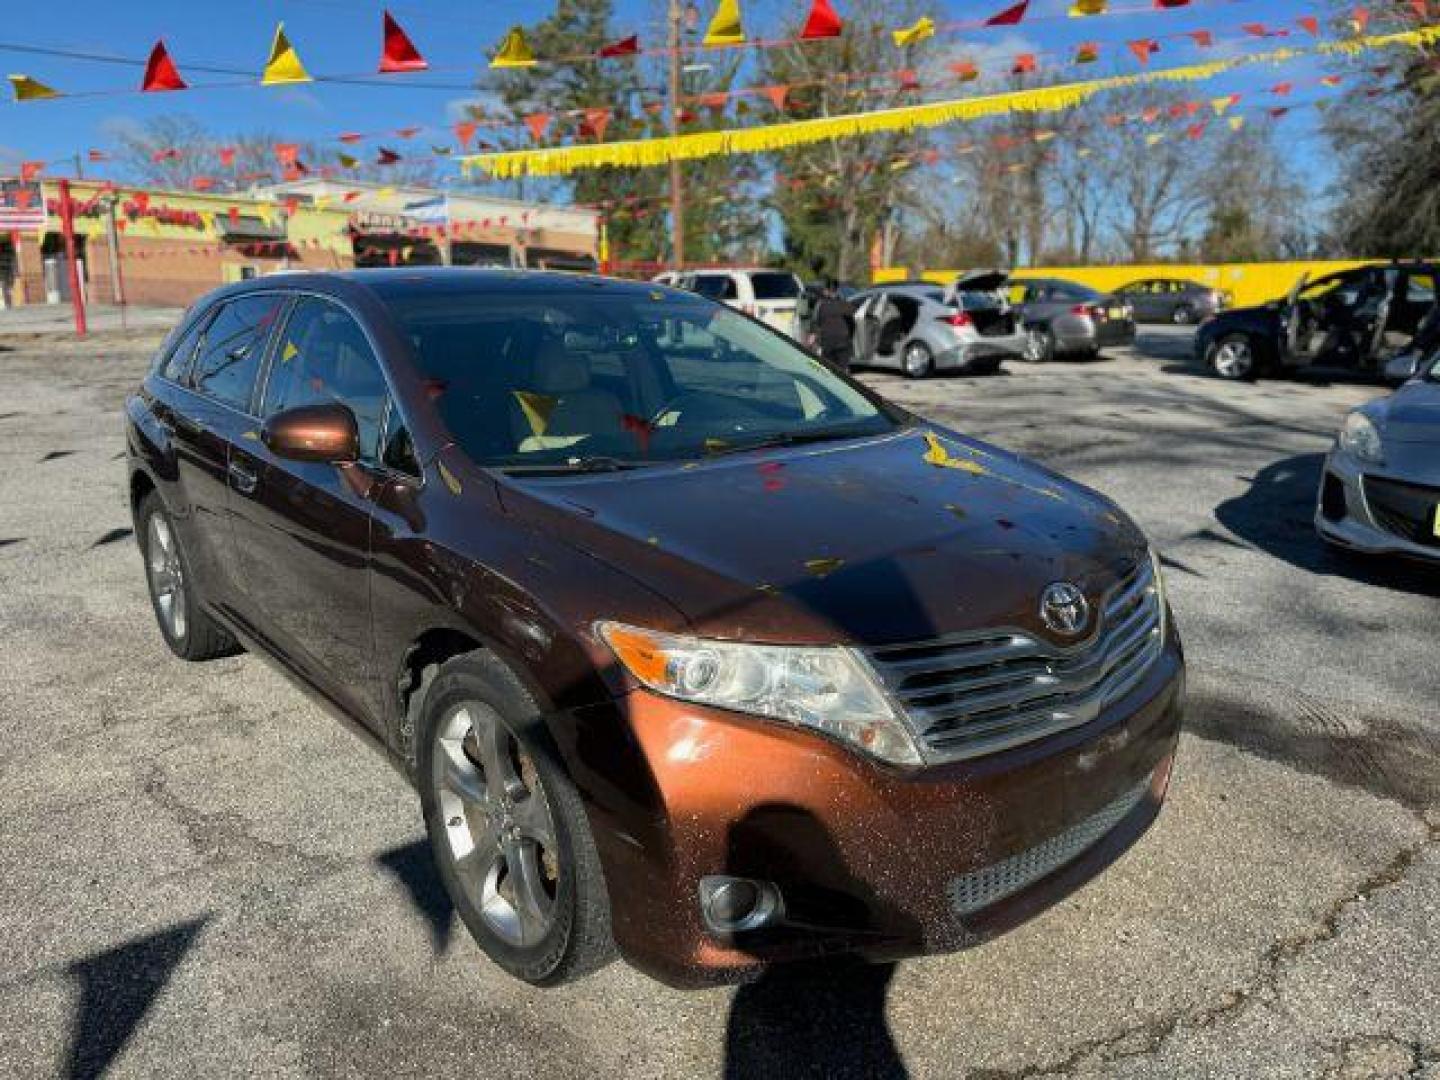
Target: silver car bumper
(1344, 514)
(1010, 347)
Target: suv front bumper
(1343, 514)
(868, 859)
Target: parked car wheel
(189, 632)
(1233, 358)
(919, 361)
(507, 828)
(1183, 315)
(1039, 345)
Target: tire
(1183, 315)
(187, 628)
(547, 920)
(1233, 358)
(917, 362)
(1039, 345)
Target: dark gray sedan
(1065, 318)
(1380, 491)
(1173, 300)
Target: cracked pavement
(202, 873)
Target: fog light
(731, 904)
(1332, 499)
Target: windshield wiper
(595, 464)
(790, 438)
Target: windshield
(573, 378)
(774, 286)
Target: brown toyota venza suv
(694, 649)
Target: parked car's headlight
(1360, 438)
(827, 689)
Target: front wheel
(507, 828)
(1039, 345)
(187, 629)
(1184, 315)
(1233, 358)
(919, 362)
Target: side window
(324, 356)
(234, 342)
(1420, 289)
(177, 364)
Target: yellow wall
(1250, 283)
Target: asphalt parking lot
(201, 874)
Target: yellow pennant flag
(1081, 8)
(1155, 139)
(725, 27)
(1221, 104)
(924, 27)
(284, 65)
(1044, 136)
(514, 51)
(28, 89)
(1236, 123)
(537, 409)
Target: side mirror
(324, 433)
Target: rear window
(776, 286)
(1075, 292)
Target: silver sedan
(1380, 491)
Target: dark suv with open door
(693, 648)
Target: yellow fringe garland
(562, 160)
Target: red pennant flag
(908, 79)
(98, 156)
(1277, 112)
(286, 153)
(1255, 29)
(1203, 38)
(1281, 89)
(1310, 24)
(1024, 64)
(160, 72)
(1151, 114)
(595, 123)
(776, 94)
(202, 183)
(386, 157)
(822, 22)
(233, 213)
(629, 46)
(407, 132)
(1360, 19)
(29, 170)
(1331, 80)
(965, 71)
(465, 131)
(398, 52)
(1196, 130)
(227, 156)
(1167, 4)
(1087, 52)
(539, 124)
(169, 153)
(350, 196)
(1144, 48)
(351, 137)
(1011, 16)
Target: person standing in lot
(834, 322)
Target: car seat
(561, 407)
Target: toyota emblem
(1064, 609)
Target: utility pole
(677, 181)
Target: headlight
(827, 689)
(1161, 594)
(1360, 438)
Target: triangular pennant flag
(725, 27)
(1310, 24)
(351, 137)
(1203, 38)
(1282, 89)
(386, 157)
(286, 153)
(1143, 49)
(348, 161)
(397, 51)
(538, 123)
(1087, 52)
(284, 65)
(822, 22)
(629, 46)
(595, 123)
(226, 154)
(98, 156)
(465, 131)
(29, 170)
(965, 70)
(1236, 123)
(1222, 104)
(1359, 20)
(1279, 111)
(1255, 29)
(28, 89)
(514, 51)
(1196, 130)
(406, 132)
(1155, 139)
(918, 31)
(776, 94)
(1024, 64)
(1331, 80)
(1011, 16)
(1081, 8)
(160, 72)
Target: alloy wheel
(1036, 346)
(499, 829)
(167, 575)
(917, 360)
(1234, 359)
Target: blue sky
(342, 37)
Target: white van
(769, 295)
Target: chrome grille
(977, 694)
(979, 889)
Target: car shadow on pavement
(821, 1017)
(116, 989)
(413, 866)
(1276, 515)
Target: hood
(899, 538)
(1412, 414)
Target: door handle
(243, 478)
